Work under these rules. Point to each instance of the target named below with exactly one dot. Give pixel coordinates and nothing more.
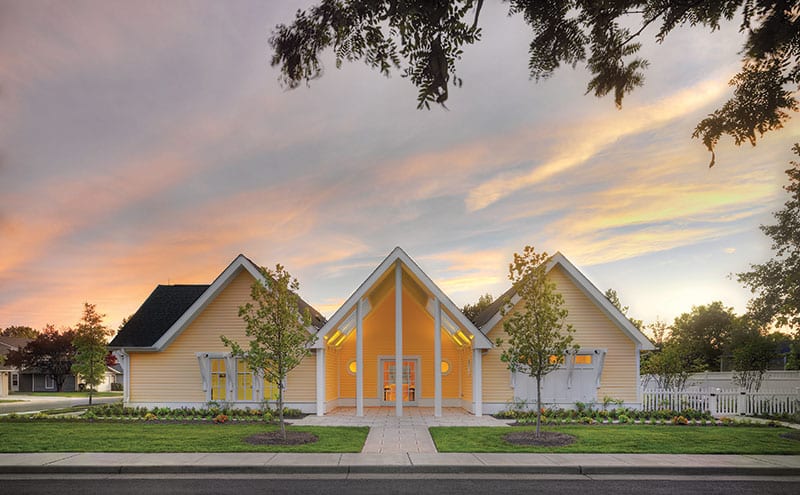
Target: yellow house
(173, 356)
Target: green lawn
(69, 394)
(636, 439)
(139, 436)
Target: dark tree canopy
(51, 353)
(776, 283)
(704, 332)
(19, 331)
(425, 40)
(471, 311)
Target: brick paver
(389, 434)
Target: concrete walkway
(389, 434)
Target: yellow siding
(301, 381)
(173, 375)
(379, 340)
(593, 329)
(331, 373)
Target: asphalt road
(385, 485)
(35, 403)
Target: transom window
(583, 359)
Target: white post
(398, 339)
(437, 360)
(477, 383)
(321, 381)
(741, 403)
(712, 402)
(359, 360)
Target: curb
(771, 471)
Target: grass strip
(68, 394)
(141, 436)
(629, 439)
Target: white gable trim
(398, 255)
(594, 295)
(226, 277)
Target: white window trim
(52, 383)
(231, 378)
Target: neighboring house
(172, 355)
(9, 375)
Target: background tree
(538, 335)
(703, 333)
(50, 353)
(425, 39)
(90, 348)
(19, 331)
(776, 283)
(278, 333)
(670, 366)
(613, 298)
(752, 351)
(471, 311)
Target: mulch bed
(545, 438)
(275, 438)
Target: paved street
(197, 485)
(34, 403)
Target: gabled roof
(173, 310)
(398, 255)
(157, 314)
(12, 344)
(491, 316)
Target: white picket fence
(722, 402)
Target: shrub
(624, 419)
(116, 387)
(221, 418)
(679, 420)
(150, 417)
(588, 420)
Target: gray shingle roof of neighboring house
(157, 314)
(8, 344)
(492, 309)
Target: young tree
(277, 328)
(51, 353)
(613, 298)
(776, 283)
(538, 335)
(670, 366)
(90, 348)
(752, 351)
(425, 39)
(471, 311)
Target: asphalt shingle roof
(490, 310)
(157, 314)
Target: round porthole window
(352, 367)
(445, 367)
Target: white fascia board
(397, 254)
(494, 320)
(594, 294)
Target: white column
(437, 360)
(477, 382)
(398, 339)
(359, 360)
(321, 381)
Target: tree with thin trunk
(538, 335)
(90, 348)
(277, 328)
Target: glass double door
(388, 382)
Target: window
(218, 379)
(445, 367)
(352, 367)
(270, 391)
(583, 359)
(244, 381)
(15, 381)
(49, 383)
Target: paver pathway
(389, 434)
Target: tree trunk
(538, 405)
(280, 409)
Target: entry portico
(399, 340)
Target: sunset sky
(146, 143)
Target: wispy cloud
(590, 138)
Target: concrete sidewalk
(284, 463)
